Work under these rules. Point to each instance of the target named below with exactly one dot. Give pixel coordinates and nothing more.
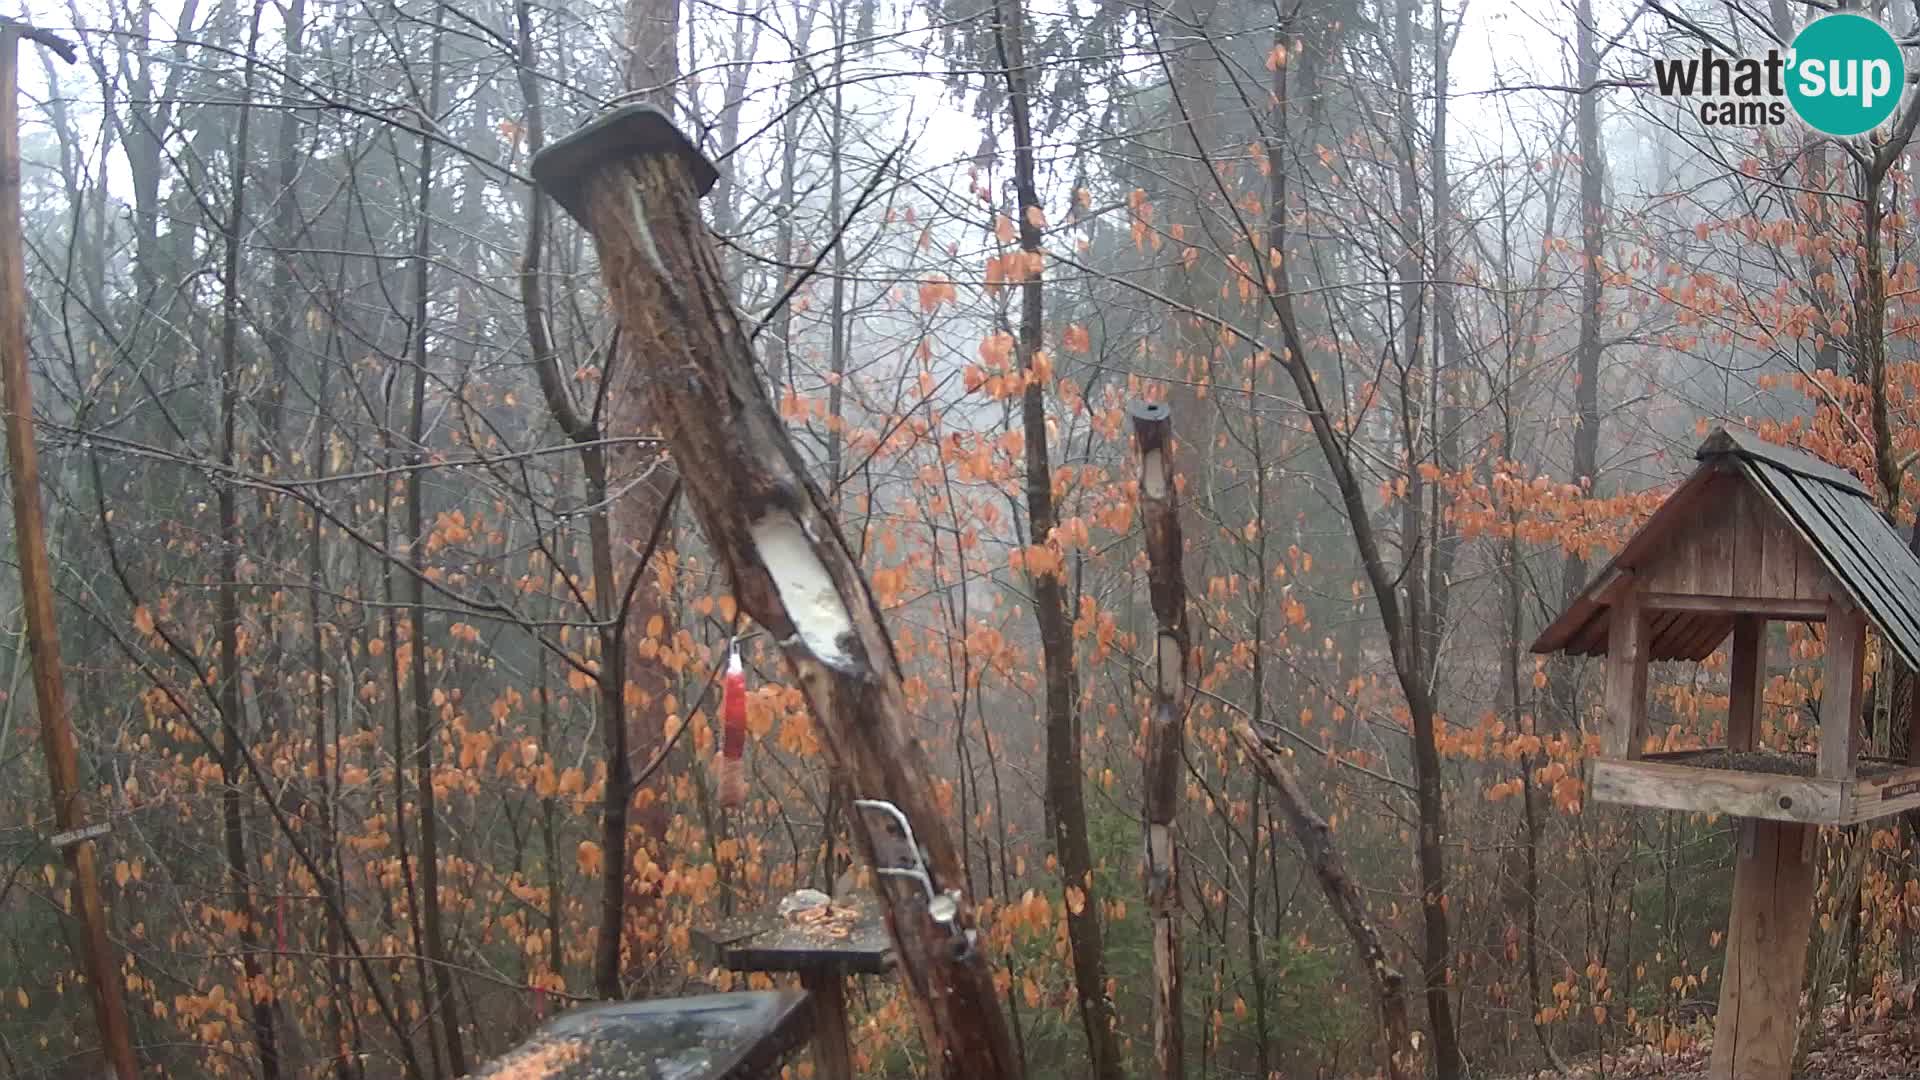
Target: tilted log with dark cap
(634, 181)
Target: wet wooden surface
(851, 941)
(710, 1037)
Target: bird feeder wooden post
(635, 181)
(1758, 533)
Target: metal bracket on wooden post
(943, 905)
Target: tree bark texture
(1066, 798)
(98, 956)
(635, 182)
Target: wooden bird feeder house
(1758, 533)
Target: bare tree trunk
(1398, 624)
(446, 1004)
(257, 991)
(611, 680)
(647, 479)
(1065, 773)
(1593, 211)
(653, 51)
(783, 244)
(726, 193)
(340, 980)
(837, 306)
(96, 955)
(556, 953)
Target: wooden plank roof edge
(1739, 442)
(1733, 450)
(1590, 601)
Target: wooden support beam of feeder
(634, 181)
(1840, 690)
(1784, 608)
(1166, 725)
(832, 1043)
(1749, 681)
(1626, 693)
(1913, 718)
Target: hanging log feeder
(634, 181)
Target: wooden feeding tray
(1772, 785)
(710, 1037)
(823, 944)
(841, 938)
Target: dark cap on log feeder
(564, 166)
(1152, 423)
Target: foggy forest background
(404, 747)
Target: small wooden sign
(62, 841)
(1900, 790)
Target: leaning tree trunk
(634, 181)
(1315, 837)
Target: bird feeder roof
(1791, 507)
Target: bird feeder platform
(710, 1037)
(1751, 784)
(1759, 533)
(824, 945)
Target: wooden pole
(832, 1045)
(98, 958)
(1773, 879)
(1166, 726)
(635, 182)
(1840, 690)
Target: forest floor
(1888, 1050)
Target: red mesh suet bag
(730, 765)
